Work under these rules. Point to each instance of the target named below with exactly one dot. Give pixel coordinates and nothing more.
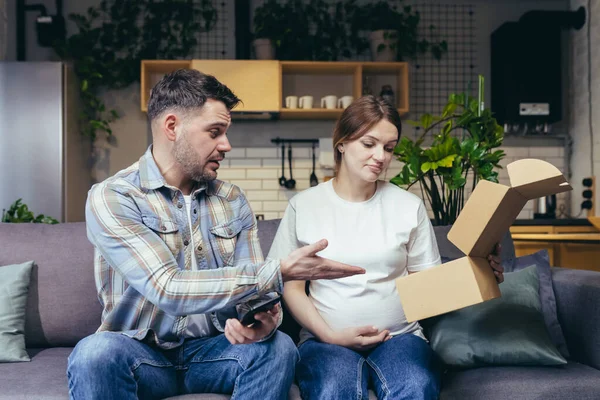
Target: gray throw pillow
(509, 330)
(541, 260)
(14, 286)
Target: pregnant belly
(383, 312)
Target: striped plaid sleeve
(247, 250)
(115, 228)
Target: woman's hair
(359, 118)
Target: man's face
(368, 156)
(202, 141)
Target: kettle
(545, 207)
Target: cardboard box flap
(534, 178)
(485, 218)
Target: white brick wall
(259, 173)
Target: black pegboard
(217, 43)
(432, 81)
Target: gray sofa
(63, 308)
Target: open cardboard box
(485, 218)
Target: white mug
(328, 101)
(291, 102)
(306, 102)
(345, 101)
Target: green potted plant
(393, 33)
(315, 30)
(19, 212)
(282, 31)
(267, 29)
(443, 170)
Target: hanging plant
(113, 37)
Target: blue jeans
(110, 365)
(403, 367)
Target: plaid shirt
(139, 228)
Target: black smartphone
(260, 306)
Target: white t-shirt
(198, 325)
(388, 235)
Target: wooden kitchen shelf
(263, 84)
(314, 113)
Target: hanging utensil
(313, 178)
(290, 183)
(282, 179)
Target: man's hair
(187, 89)
(356, 120)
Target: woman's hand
(496, 263)
(237, 333)
(359, 339)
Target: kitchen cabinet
(575, 247)
(263, 85)
(256, 82)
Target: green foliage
(443, 169)
(19, 212)
(322, 30)
(113, 37)
(316, 30)
(403, 24)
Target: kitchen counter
(558, 237)
(571, 243)
(553, 222)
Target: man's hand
(237, 333)
(359, 339)
(304, 265)
(495, 262)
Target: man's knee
(284, 347)
(97, 351)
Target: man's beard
(187, 159)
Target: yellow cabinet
(256, 82)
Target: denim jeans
(403, 367)
(111, 365)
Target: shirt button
(164, 228)
(199, 248)
(195, 211)
(179, 205)
(186, 242)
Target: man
(175, 252)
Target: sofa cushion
(570, 381)
(14, 284)
(45, 377)
(509, 330)
(62, 305)
(578, 307)
(541, 260)
(266, 233)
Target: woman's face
(368, 156)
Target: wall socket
(589, 196)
